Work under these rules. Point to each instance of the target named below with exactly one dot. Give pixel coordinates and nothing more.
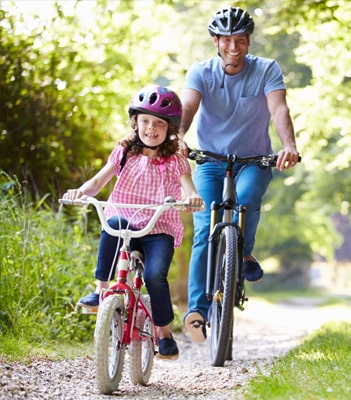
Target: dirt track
(262, 332)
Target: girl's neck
(150, 152)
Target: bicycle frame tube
(123, 287)
(228, 192)
(132, 301)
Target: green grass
(46, 261)
(319, 369)
(19, 349)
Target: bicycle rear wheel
(142, 351)
(109, 350)
(222, 314)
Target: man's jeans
(251, 185)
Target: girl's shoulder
(181, 162)
(116, 155)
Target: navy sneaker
(168, 349)
(252, 271)
(91, 300)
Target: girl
(148, 169)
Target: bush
(46, 264)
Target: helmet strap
(224, 74)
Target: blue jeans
(251, 185)
(157, 252)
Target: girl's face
(152, 130)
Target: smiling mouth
(236, 54)
(151, 136)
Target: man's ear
(215, 41)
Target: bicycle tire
(222, 310)
(109, 350)
(141, 352)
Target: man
(235, 95)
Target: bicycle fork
(215, 231)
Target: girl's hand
(73, 194)
(195, 200)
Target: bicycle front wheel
(142, 351)
(109, 350)
(222, 310)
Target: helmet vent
(153, 98)
(166, 103)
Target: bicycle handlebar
(169, 203)
(202, 156)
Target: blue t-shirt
(234, 119)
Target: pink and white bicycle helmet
(159, 101)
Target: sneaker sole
(162, 357)
(196, 334)
(257, 281)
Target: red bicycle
(124, 319)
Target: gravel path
(262, 333)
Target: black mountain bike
(225, 281)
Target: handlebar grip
(76, 202)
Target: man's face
(233, 48)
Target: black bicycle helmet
(230, 21)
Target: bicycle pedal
(90, 310)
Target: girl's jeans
(251, 185)
(157, 253)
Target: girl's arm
(191, 195)
(93, 185)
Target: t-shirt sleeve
(274, 78)
(116, 157)
(193, 78)
(183, 165)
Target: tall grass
(46, 261)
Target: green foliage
(48, 129)
(41, 277)
(318, 369)
(63, 98)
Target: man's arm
(279, 110)
(190, 103)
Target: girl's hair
(167, 148)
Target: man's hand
(287, 158)
(183, 147)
